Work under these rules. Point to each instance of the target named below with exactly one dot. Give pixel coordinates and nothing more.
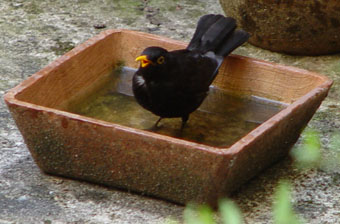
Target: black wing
(193, 72)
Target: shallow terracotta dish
(75, 146)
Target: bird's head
(152, 57)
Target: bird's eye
(160, 60)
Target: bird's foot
(156, 126)
(157, 122)
(184, 121)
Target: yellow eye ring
(160, 60)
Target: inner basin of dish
(221, 120)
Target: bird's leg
(184, 120)
(156, 124)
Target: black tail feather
(236, 39)
(218, 34)
(203, 25)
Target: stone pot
(308, 27)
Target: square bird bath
(165, 165)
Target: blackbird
(173, 84)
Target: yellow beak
(144, 61)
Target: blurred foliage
(198, 214)
(203, 214)
(307, 155)
(230, 213)
(283, 212)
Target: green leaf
(201, 214)
(190, 214)
(230, 213)
(309, 154)
(206, 214)
(283, 210)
